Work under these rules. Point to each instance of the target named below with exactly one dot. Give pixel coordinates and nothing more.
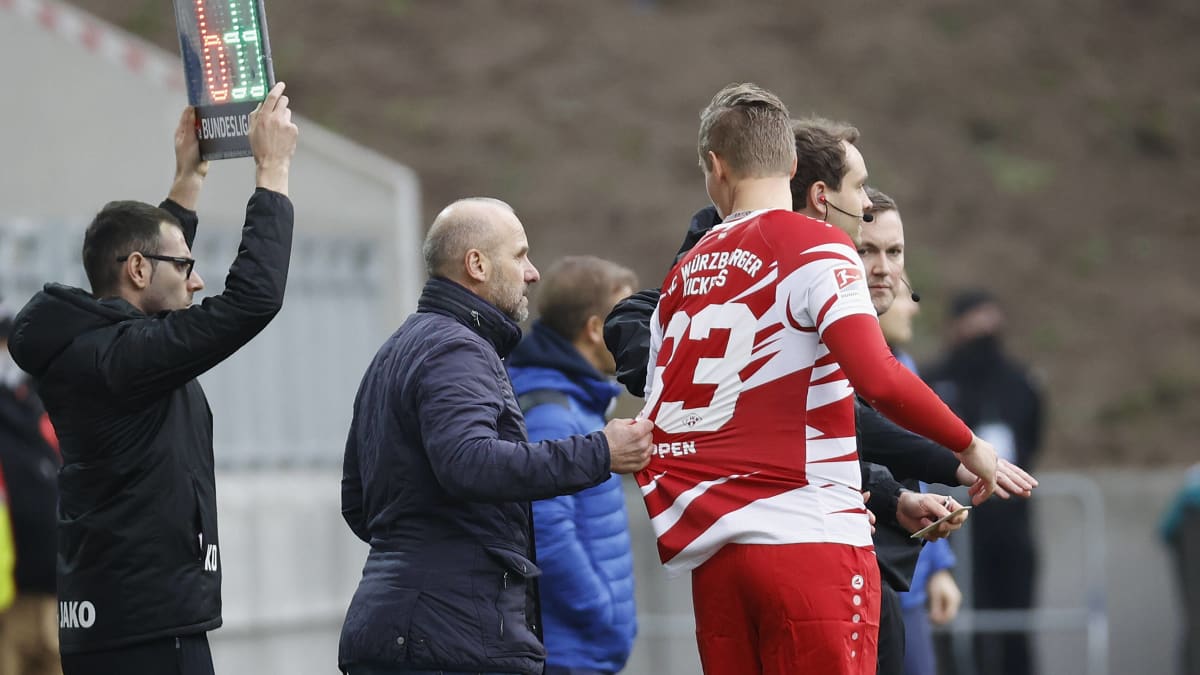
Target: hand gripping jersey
(754, 419)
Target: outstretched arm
(459, 418)
(857, 344)
(906, 454)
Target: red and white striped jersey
(754, 419)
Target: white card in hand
(930, 527)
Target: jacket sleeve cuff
(885, 493)
(606, 456)
(186, 217)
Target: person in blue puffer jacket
(562, 376)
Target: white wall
(290, 565)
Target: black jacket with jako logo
(138, 553)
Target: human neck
(831, 216)
(756, 194)
(811, 212)
(470, 283)
(128, 295)
(587, 349)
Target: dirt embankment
(1045, 150)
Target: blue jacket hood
(546, 360)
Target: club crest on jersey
(846, 276)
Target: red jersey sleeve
(858, 346)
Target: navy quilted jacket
(437, 478)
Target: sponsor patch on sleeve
(846, 276)
(851, 285)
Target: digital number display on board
(227, 67)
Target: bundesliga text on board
(225, 126)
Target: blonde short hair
(749, 128)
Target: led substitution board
(227, 66)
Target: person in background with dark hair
(999, 400)
(562, 375)
(139, 568)
(29, 458)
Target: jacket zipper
(504, 581)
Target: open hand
(1011, 480)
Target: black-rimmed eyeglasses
(178, 260)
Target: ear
(814, 193)
(477, 265)
(594, 329)
(138, 271)
(719, 170)
(792, 173)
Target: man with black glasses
(139, 572)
